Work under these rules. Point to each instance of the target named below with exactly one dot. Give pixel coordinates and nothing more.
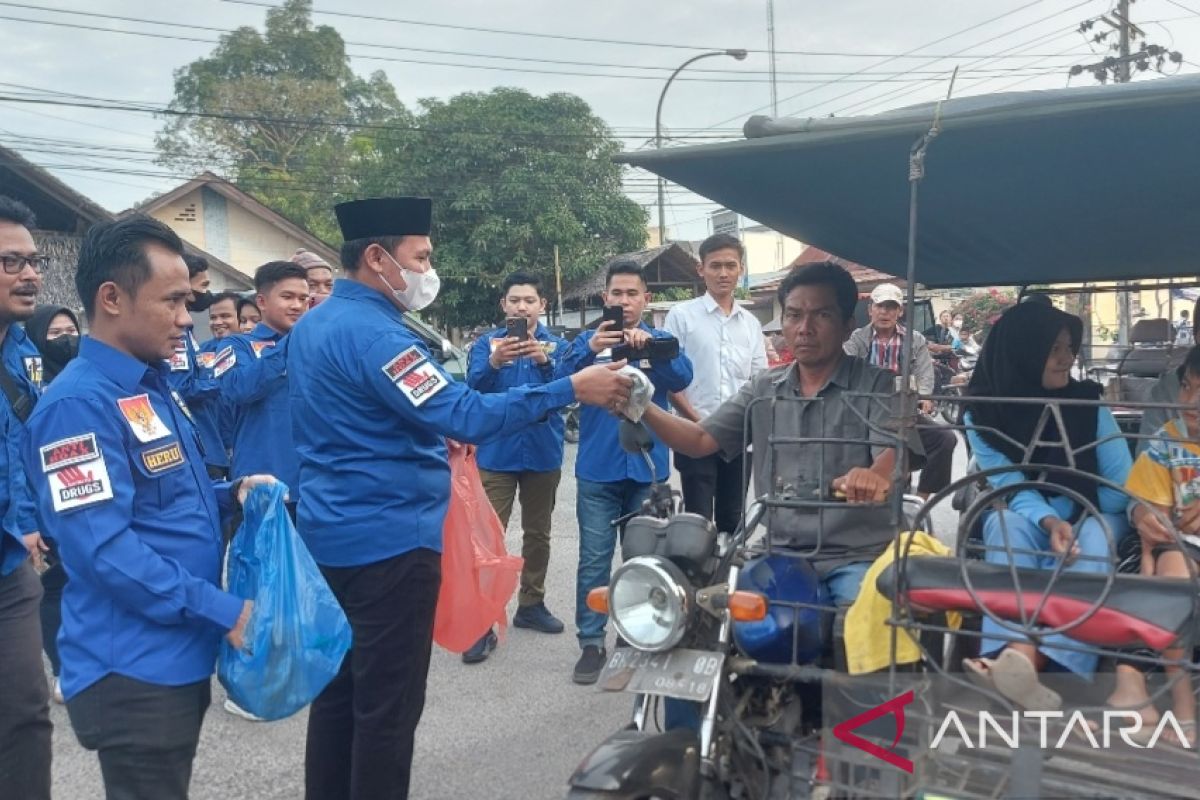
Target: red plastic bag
(478, 575)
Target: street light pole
(740, 55)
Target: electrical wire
(657, 45)
(468, 54)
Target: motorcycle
(731, 639)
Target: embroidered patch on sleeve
(65, 452)
(179, 361)
(224, 361)
(142, 418)
(80, 485)
(403, 363)
(205, 360)
(421, 383)
(259, 346)
(163, 458)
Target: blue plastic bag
(297, 634)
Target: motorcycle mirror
(635, 437)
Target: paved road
(513, 728)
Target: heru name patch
(65, 452)
(161, 459)
(80, 485)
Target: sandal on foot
(1013, 675)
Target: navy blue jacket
(256, 386)
(538, 447)
(21, 360)
(370, 410)
(600, 457)
(123, 490)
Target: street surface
(512, 728)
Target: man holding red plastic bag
(370, 408)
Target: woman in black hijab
(1030, 353)
(54, 330)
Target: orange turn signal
(597, 600)
(745, 606)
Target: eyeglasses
(14, 264)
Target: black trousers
(361, 729)
(939, 444)
(54, 580)
(24, 695)
(144, 734)
(712, 488)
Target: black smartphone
(517, 327)
(615, 315)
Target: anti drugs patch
(80, 485)
(65, 452)
(161, 459)
(179, 361)
(142, 418)
(224, 361)
(403, 363)
(421, 383)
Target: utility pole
(558, 286)
(1119, 68)
(771, 51)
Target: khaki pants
(538, 490)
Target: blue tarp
(1085, 184)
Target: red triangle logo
(893, 707)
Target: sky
(843, 58)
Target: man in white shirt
(725, 344)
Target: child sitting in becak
(1166, 479)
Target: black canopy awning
(1088, 184)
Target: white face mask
(421, 288)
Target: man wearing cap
(370, 410)
(320, 276)
(881, 344)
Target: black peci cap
(384, 216)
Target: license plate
(683, 674)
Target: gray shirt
(859, 344)
(804, 471)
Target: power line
(468, 54)
(960, 53)
(430, 63)
(659, 45)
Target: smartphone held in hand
(517, 328)
(615, 315)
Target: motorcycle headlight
(650, 602)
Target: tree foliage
(512, 175)
(281, 114)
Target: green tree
(282, 115)
(512, 175)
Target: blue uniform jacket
(538, 447)
(24, 364)
(256, 385)
(122, 489)
(192, 376)
(600, 457)
(370, 409)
